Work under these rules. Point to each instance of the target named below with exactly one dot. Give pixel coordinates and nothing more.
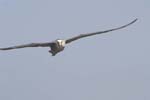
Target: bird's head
(61, 42)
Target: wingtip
(136, 19)
(2, 49)
(132, 22)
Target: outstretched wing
(48, 44)
(95, 33)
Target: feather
(48, 44)
(96, 33)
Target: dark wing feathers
(29, 45)
(95, 33)
(49, 44)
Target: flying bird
(59, 44)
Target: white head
(61, 42)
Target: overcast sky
(113, 66)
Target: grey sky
(113, 66)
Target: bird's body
(59, 44)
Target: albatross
(58, 45)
